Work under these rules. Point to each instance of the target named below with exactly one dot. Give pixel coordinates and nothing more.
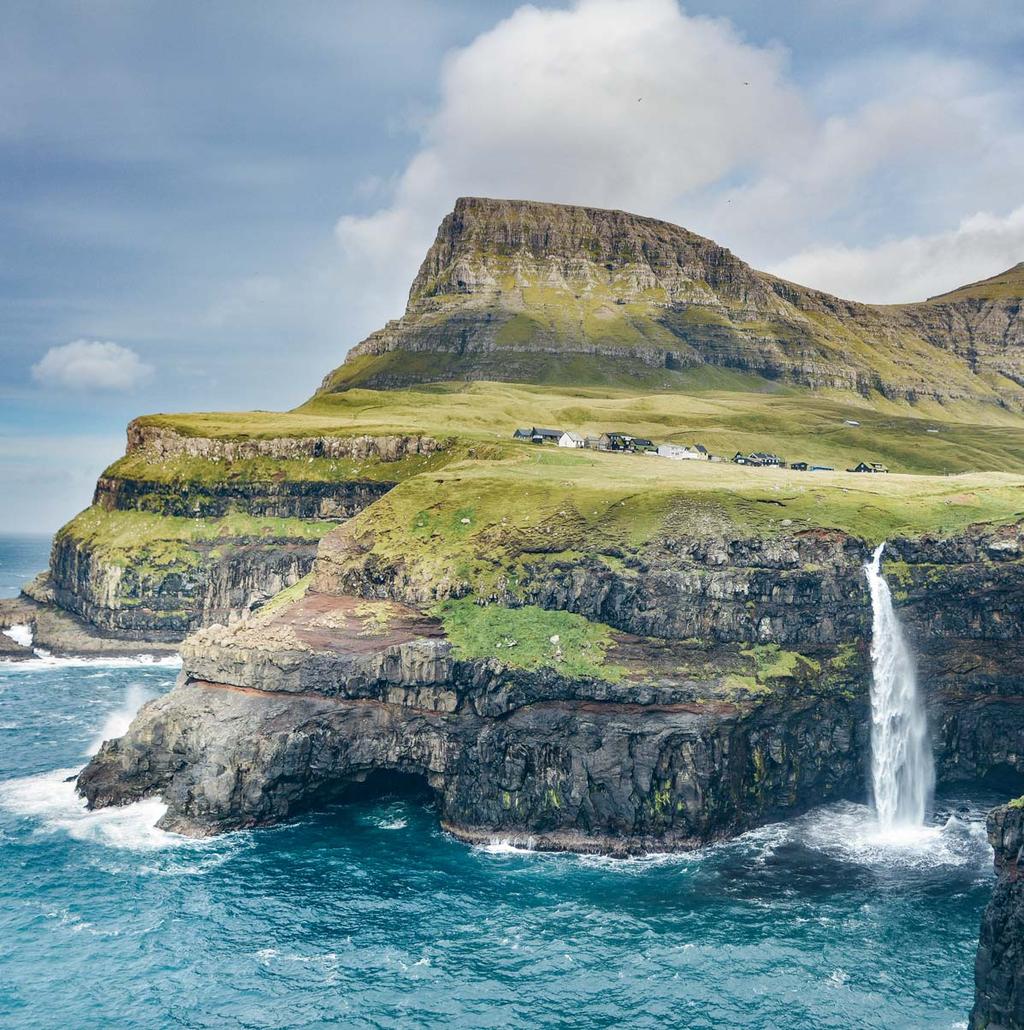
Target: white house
(677, 452)
(569, 439)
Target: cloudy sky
(205, 205)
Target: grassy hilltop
(570, 318)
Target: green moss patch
(529, 638)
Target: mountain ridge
(536, 292)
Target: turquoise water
(369, 916)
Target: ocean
(369, 916)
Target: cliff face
(186, 531)
(529, 292)
(999, 968)
(732, 689)
(275, 716)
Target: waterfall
(902, 770)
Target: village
(625, 443)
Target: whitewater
(902, 765)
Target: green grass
(550, 505)
(529, 638)
(1008, 285)
(287, 596)
(141, 540)
(1016, 803)
(211, 473)
(726, 411)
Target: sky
(203, 206)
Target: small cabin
(739, 458)
(641, 443)
(593, 443)
(570, 439)
(522, 434)
(868, 466)
(799, 466)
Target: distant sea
(369, 916)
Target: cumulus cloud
(638, 105)
(917, 266)
(91, 365)
(612, 103)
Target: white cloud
(917, 266)
(637, 105)
(616, 103)
(91, 365)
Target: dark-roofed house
(522, 434)
(641, 443)
(868, 466)
(547, 435)
(799, 466)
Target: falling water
(902, 770)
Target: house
(641, 443)
(592, 442)
(768, 459)
(799, 466)
(570, 439)
(744, 459)
(535, 435)
(614, 442)
(868, 466)
(677, 452)
(547, 435)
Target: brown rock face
(522, 291)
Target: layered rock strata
(530, 292)
(275, 717)
(160, 585)
(736, 692)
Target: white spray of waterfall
(902, 769)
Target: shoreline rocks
(999, 966)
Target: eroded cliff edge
(634, 709)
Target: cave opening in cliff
(386, 785)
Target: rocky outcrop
(304, 703)
(311, 500)
(999, 967)
(162, 586)
(522, 291)
(140, 602)
(680, 747)
(60, 633)
(158, 442)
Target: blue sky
(205, 205)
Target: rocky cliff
(188, 530)
(528, 292)
(701, 687)
(999, 968)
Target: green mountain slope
(518, 291)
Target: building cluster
(612, 441)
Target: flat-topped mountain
(547, 293)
